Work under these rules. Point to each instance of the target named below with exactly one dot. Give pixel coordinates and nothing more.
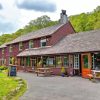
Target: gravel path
(59, 88)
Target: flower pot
(62, 74)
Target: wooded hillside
(82, 22)
(86, 21)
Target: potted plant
(62, 71)
(13, 60)
(59, 63)
(39, 64)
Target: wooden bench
(94, 75)
(90, 76)
(44, 71)
(30, 70)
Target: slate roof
(73, 43)
(3, 45)
(39, 33)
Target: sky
(15, 14)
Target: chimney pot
(63, 17)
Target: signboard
(12, 71)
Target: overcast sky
(15, 14)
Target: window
(76, 61)
(43, 42)
(85, 61)
(58, 61)
(20, 46)
(30, 44)
(66, 61)
(2, 50)
(3, 61)
(28, 61)
(44, 60)
(10, 60)
(10, 48)
(22, 61)
(97, 61)
(50, 61)
(93, 61)
(71, 59)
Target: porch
(71, 63)
(74, 64)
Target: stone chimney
(63, 17)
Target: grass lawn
(7, 84)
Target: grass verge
(11, 88)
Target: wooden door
(86, 62)
(33, 63)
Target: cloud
(1, 7)
(37, 5)
(6, 26)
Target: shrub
(63, 70)
(3, 68)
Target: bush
(63, 70)
(3, 68)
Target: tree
(97, 9)
(86, 21)
(40, 22)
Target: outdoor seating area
(44, 71)
(94, 75)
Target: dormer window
(2, 50)
(30, 44)
(20, 46)
(10, 48)
(43, 42)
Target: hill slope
(86, 21)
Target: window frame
(50, 61)
(76, 61)
(31, 44)
(3, 50)
(66, 64)
(2, 61)
(44, 40)
(10, 60)
(10, 48)
(58, 61)
(20, 46)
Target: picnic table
(96, 74)
(44, 71)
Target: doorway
(86, 61)
(33, 63)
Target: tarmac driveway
(59, 88)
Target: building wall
(25, 45)
(0, 56)
(7, 55)
(36, 42)
(3, 56)
(62, 32)
(0, 53)
(51, 40)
